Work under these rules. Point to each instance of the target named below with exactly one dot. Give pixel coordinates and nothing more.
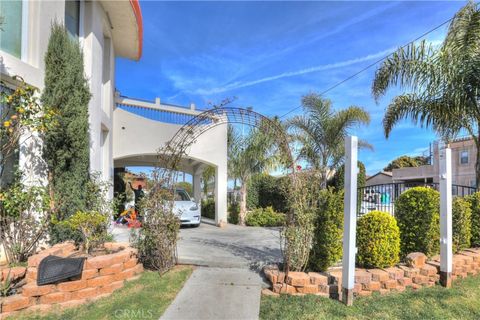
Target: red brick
(32, 290)
(379, 275)
(125, 274)
(390, 284)
(100, 262)
(357, 287)
(268, 292)
(395, 273)
(132, 262)
(115, 245)
(116, 268)
(420, 279)
(362, 277)
(384, 291)
(416, 286)
(34, 260)
(410, 272)
(435, 264)
(89, 274)
(331, 288)
(84, 293)
(15, 302)
(72, 285)
(372, 286)
(399, 289)
(475, 256)
(428, 270)
(138, 268)
(317, 278)
(308, 289)
(121, 257)
(31, 274)
(298, 279)
(281, 277)
(416, 259)
(100, 281)
(283, 288)
(406, 282)
(335, 277)
(55, 297)
(14, 273)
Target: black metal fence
(382, 196)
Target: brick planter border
(416, 273)
(100, 277)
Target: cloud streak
(323, 67)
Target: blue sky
(269, 54)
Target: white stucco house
(120, 133)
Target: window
(11, 28)
(72, 17)
(464, 157)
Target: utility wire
(373, 64)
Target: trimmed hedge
(265, 218)
(327, 243)
(461, 224)
(417, 212)
(474, 201)
(208, 208)
(378, 240)
(267, 191)
(233, 213)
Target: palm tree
(320, 132)
(443, 82)
(255, 153)
(207, 177)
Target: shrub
(91, 225)
(24, 217)
(474, 200)
(417, 213)
(338, 178)
(208, 208)
(327, 243)
(233, 213)
(378, 240)
(66, 148)
(461, 224)
(267, 217)
(267, 191)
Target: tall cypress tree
(66, 147)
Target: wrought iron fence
(382, 196)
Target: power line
(372, 64)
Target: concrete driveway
(230, 247)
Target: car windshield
(181, 195)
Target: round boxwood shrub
(474, 201)
(378, 240)
(267, 217)
(327, 242)
(461, 224)
(417, 212)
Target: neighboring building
(105, 30)
(382, 177)
(464, 157)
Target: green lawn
(460, 302)
(145, 298)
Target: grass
(462, 301)
(145, 298)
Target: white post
(446, 217)
(197, 187)
(350, 220)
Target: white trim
(24, 43)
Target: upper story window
(464, 157)
(11, 13)
(72, 17)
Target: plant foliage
(417, 212)
(378, 240)
(474, 200)
(66, 146)
(461, 224)
(92, 226)
(327, 242)
(265, 217)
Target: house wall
(379, 179)
(99, 58)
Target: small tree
(66, 147)
(91, 225)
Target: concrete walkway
(217, 293)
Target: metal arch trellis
(171, 154)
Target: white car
(186, 209)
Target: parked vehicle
(186, 209)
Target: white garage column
(221, 195)
(197, 187)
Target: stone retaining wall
(416, 273)
(100, 277)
